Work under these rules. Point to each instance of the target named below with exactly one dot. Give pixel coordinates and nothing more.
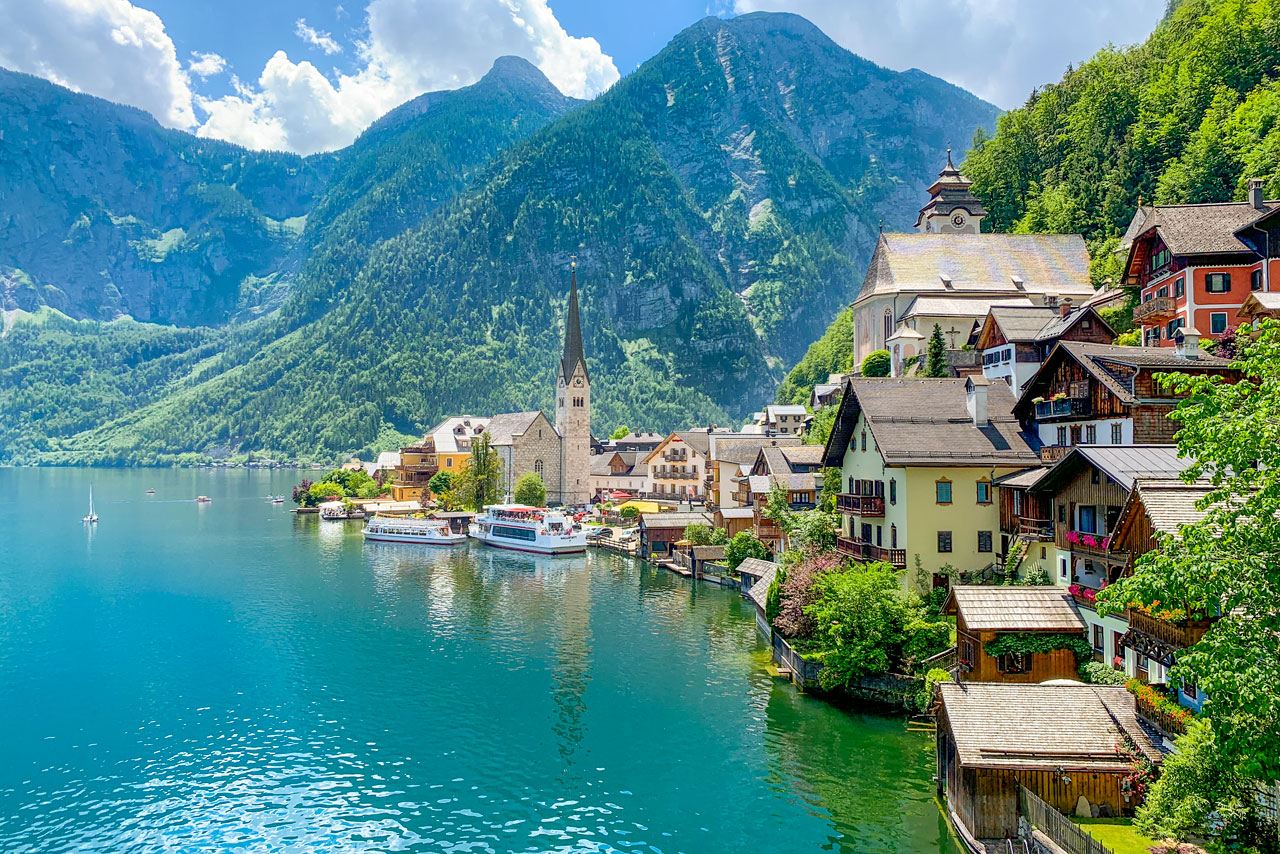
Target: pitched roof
(673, 520)
(786, 409)
(760, 590)
(978, 264)
(503, 429)
(1013, 726)
(1260, 302)
(1021, 323)
(1204, 229)
(736, 513)
(447, 433)
(990, 608)
(1122, 463)
(1170, 503)
(1022, 479)
(917, 421)
(946, 305)
(802, 455)
(572, 332)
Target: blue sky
(309, 75)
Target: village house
(1195, 265)
(731, 456)
(1259, 307)
(659, 532)
(780, 420)
(796, 468)
(951, 274)
(677, 466)
(918, 458)
(1070, 745)
(446, 447)
(1103, 394)
(828, 393)
(1026, 546)
(757, 577)
(642, 442)
(984, 613)
(1012, 342)
(618, 471)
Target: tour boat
(336, 511)
(92, 518)
(428, 532)
(522, 528)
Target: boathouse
(984, 613)
(659, 532)
(1071, 745)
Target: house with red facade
(1196, 265)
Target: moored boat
(397, 529)
(522, 528)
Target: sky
(309, 75)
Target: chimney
(975, 388)
(1018, 282)
(1051, 300)
(1064, 308)
(1255, 194)
(1187, 343)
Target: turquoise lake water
(233, 677)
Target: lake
(232, 676)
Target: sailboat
(93, 516)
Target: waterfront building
(984, 613)
(950, 273)
(918, 458)
(659, 532)
(757, 577)
(731, 456)
(1195, 265)
(1013, 341)
(445, 447)
(1057, 740)
(795, 468)
(1103, 394)
(1026, 528)
(677, 466)
(617, 471)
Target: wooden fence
(1057, 826)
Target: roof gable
(988, 608)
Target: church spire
(572, 331)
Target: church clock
(958, 219)
(577, 382)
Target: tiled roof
(760, 590)
(446, 436)
(918, 421)
(737, 512)
(1023, 479)
(745, 447)
(1015, 609)
(1022, 323)
(803, 455)
(1205, 229)
(1071, 727)
(1171, 503)
(959, 306)
(1097, 358)
(503, 429)
(978, 264)
(673, 520)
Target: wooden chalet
(1026, 518)
(659, 532)
(1014, 340)
(983, 613)
(1258, 307)
(1062, 741)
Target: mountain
(722, 202)
(103, 212)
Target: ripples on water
(233, 677)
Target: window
(1163, 292)
(1218, 322)
(1117, 434)
(1090, 434)
(1044, 552)
(966, 652)
(1062, 435)
(1174, 325)
(864, 440)
(1062, 514)
(888, 324)
(1161, 258)
(1117, 650)
(1062, 568)
(984, 492)
(1098, 640)
(943, 489)
(1076, 434)
(448, 462)
(1014, 662)
(1255, 280)
(1217, 283)
(893, 536)
(893, 491)
(984, 541)
(1189, 688)
(853, 486)
(944, 542)
(1179, 287)
(537, 467)
(879, 531)
(1088, 518)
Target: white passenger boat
(528, 529)
(430, 532)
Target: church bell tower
(952, 207)
(573, 408)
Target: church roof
(978, 265)
(503, 429)
(573, 333)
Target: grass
(1118, 834)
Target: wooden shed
(983, 613)
(1063, 741)
(659, 532)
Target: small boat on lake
(151, 492)
(396, 529)
(92, 517)
(337, 511)
(522, 528)
(203, 499)
(279, 499)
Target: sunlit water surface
(231, 676)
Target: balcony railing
(1168, 724)
(1050, 454)
(859, 550)
(1040, 529)
(1067, 407)
(675, 474)
(1181, 634)
(675, 456)
(1156, 310)
(860, 505)
(1083, 541)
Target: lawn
(1118, 834)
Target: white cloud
(206, 64)
(997, 49)
(108, 48)
(413, 46)
(317, 38)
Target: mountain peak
(520, 72)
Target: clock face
(958, 219)
(577, 382)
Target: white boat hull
(450, 540)
(543, 545)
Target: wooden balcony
(1169, 725)
(858, 550)
(1050, 454)
(1153, 311)
(1180, 635)
(1037, 529)
(1067, 407)
(860, 505)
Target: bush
(743, 546)
(858, 620)
(924, 699)
(530, 490)
(925, 638)
(705, 535)
(628, 512)
(878, 363)
(798, 591)
(1097, 673)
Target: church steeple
(572, 332)
(952, 207)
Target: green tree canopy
(440, 483)
(621, 432)
(878, 363)
(531, 490)
(705, 535)
(742, 546)
(478, 483)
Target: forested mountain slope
(1188, 116)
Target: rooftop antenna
(882, 226)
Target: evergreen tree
(936, 360)
(478, 483)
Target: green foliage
(1227, 563)
(629, 512)
(356, 483)
(860, 617)
(742, 546)
(814, 530)
(530, 490)
(820, 427)
(935, 676)
(1132, 338)
(1120, 317)
(936, 356)
(621, 432)
(830, 354)
(325, 491)
(477, 484)
(705, 535)
(878, 363)
(440, 483)
(773, 598)
(925, 637)
(1029, 643)
(1099, 673)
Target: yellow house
(447, 447)
(918, 458)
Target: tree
(440, 483)
(1228, 562)
(621, 432)
(878, 363)
(531, 490)
(742, 546)
(629, 512)
(859, 619)
(820, 427)
(325, 491)
(815, 530)
(302, 494)
(477, 484)
(705, 535)
(936, 359)
(777, 509)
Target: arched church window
(537, 467)
(888, 325)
